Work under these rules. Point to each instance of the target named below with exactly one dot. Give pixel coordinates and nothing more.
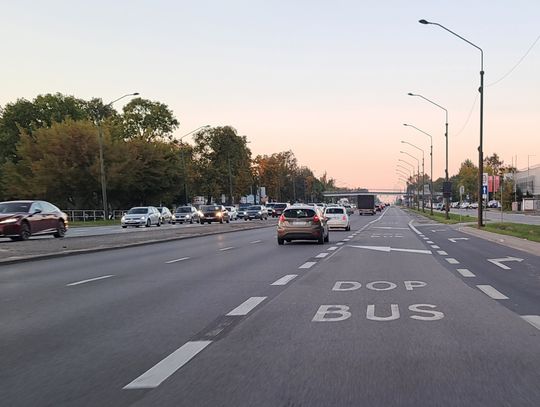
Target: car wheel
(221, 221)
(25, 232)
(158, 223)
(228, 221)
(348, 228)
(191, 221)
(123, 227)
(321, 239)
(280, 241)
(60, 230)
(327, 238)
(148, 223)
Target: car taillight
(281, 219)
(344, 217)
(316, 219)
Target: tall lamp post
(101, 159)
(423, 171)
(408, 163)
(418, 177)
(431, 156)
(481, 90)
(184, 161)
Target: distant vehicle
(465, 205)
(270, 208)
(439, 206)
(256, 212)
(366, 204)
(21, 219)
(494, 204)
(279, 208)
(348, 208)
(166, 215)
(474, 205)
(233, 213)
(338, 218)
(454, 204)
(302, 222)
(242, 210)
(214, 213)
(141, 216)
(186, 214)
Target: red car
(21, 219)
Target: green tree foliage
(148, 120)
(468, 177)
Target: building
(528, 181)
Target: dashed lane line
(226, 248)
(89, 280)
(534, 320)
(331, 249)
(465, 273)
(247, 306)
(307, 265)
(321, 255)
(442, 253)
(429, 242)
(285, 279)
(492, 292)
(434, 246)
(451, 260)
(255, 241)
(340, 244)
(177, 260)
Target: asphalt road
(397, 312)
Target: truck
(366, 204)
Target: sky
(325, 79)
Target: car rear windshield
(334, 210)
(280, 206)
(211, 208)
(12, 207)
(254, 208)
(137, 211)
(299, 213)
(185, 209)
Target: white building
(528, 180)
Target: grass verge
(529, 232)
(440, 216)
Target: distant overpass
(344, 194)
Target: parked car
(186, 214)
(337, 218)
(454, 204)
(214, 213)
(256, 212)
(302, 222)
(233, 213)
(166, 215)
(494, 204)
(474, 205)
(141, 216)
(465, 205)
(21, 219)
(279, 208)
(439, 206)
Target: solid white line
(255, 241)
(246, 306)
(321, 255)
(331, 249)
(307, 265)
(226, 248)
(89, 280)
(160, 372)
(285, 279)
(413, 228)
(492, 292)
(465, 273)
(442, 253)
(452, 260)
(176, 260)
(429, 242)
(534, 320)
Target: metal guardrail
(89, 215)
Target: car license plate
(298, 223)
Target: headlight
(123, 219)
(143, 217)
(219, 214)
(174, 217)
(9, 220)
(188, 216)
(260, 213)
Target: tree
(148, 120)
(468, 177)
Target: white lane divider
(340, 244)
(307, 265)
(413, 228)
(331, 249)
(285, 279)
(226, 248)
(465, 273)
(429, 242)
(255, 241)
(442, 253)
(160, 372)
(321, 255)
(350, 237)
(492, 292)
(246, 306)
(534, 320)
(434, 246)
(89, 280)
(425, 238)
(452, 260)
(177, 260)
(345, 240)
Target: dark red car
(21, 219)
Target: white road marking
(425, 238)
(414, 229)
(308, 264)
(465, 273)
(160, 372)
(345, 240)
(498, 262)
(434, 246)
(331, 249)
(89, 280)
(321, 255)
(429, 242)
(492, 292)
(392, 249)
(255, 241)
(389, 227)
(246, 306)
(442, 253)
(350, 237)
(534, 320)
(339, 244)
(454, 239)
(452, 260)
(177, 260)
(285, 279)
(439, 230)
(226, 248)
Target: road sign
(485, 179)
(484, 189)
(461, 189)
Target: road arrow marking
(498, 262)
(391, 249)
(454, 239)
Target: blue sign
(484, 189)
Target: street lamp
(184, 161)
(101, 160)
(423, 171)
(481, 90)
(418, 178)
(412, 166)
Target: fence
(88, 215)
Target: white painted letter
(352, 285)
(371, 286)
(436, 315)
(370, 314)
(341, 310)
(410, 285)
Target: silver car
(141, 216)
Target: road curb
(67, 253)
(504, 240)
